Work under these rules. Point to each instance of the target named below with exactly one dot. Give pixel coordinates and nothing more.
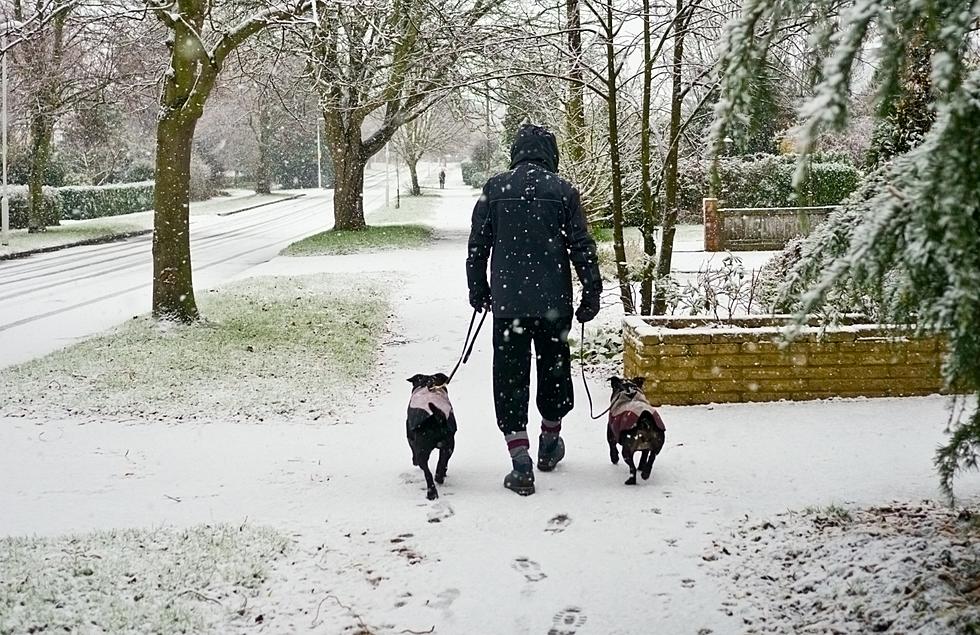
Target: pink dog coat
(427, 401)
(626, 411)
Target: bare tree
(202, 35)
(431, 132)
(393, 57)
(64, 56)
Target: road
(51, 300)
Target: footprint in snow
(687, 583)
(445, 599)
(530, 569)
(440, 512)
(568, 621)
(558, 524)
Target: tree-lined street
(49, 301)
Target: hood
(534, 144)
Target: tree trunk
(413, 171)
(575, 108)
(619, 246)
(670, 179)
(348, 193)
(173, 287)
(41, 135)
(649, 222)
(263, 172)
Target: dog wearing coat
(634, 425)
(431, 424)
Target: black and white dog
(635, 425)
(431, 424)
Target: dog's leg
(646, 464)
(613, 450)
(628, 457)
(445, 453)
(431, 493)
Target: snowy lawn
(67, 233)
(194, 580)
(412, 209)
(372, 238)
(899, 568)
(272, 347)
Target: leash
(581, 363)
(469, 343)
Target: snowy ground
(903, 568)
(153, 581)
(369, 554)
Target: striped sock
(517, 445)
(550, 431)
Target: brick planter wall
(687, 361)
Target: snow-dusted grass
(66, 234)
(900, 568)
(273, 347)
(372, 238)
(136, 581)
(412, 209)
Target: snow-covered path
(584, 555)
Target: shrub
(51, 208)
(765, 181)
(474, 175)
(203, 182)
(86, 201)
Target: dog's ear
(417, 380)
(440, 379)
(616, 383)
(639, 382)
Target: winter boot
(521, 478)
(550, 452)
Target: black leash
(581, 360)
(469, 343)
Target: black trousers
(512, 339)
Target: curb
(248, 209)
(111, 238)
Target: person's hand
(480, 300)
(588, 308)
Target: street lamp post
(5, 201)
(319, 156)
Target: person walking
(442, 179)
(529, 225)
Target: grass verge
(269, 348)
(411, 209)
(372, 238)
(65, 234)
(149, 581)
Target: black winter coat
(529, 223)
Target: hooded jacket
(530, 226)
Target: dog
(635, 425)
(431, 424)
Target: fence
(757, 228)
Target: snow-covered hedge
(765, 181)
(473, 174)
(51, 209)
(85, 201)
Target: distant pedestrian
(442, 179)
(529, 224)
